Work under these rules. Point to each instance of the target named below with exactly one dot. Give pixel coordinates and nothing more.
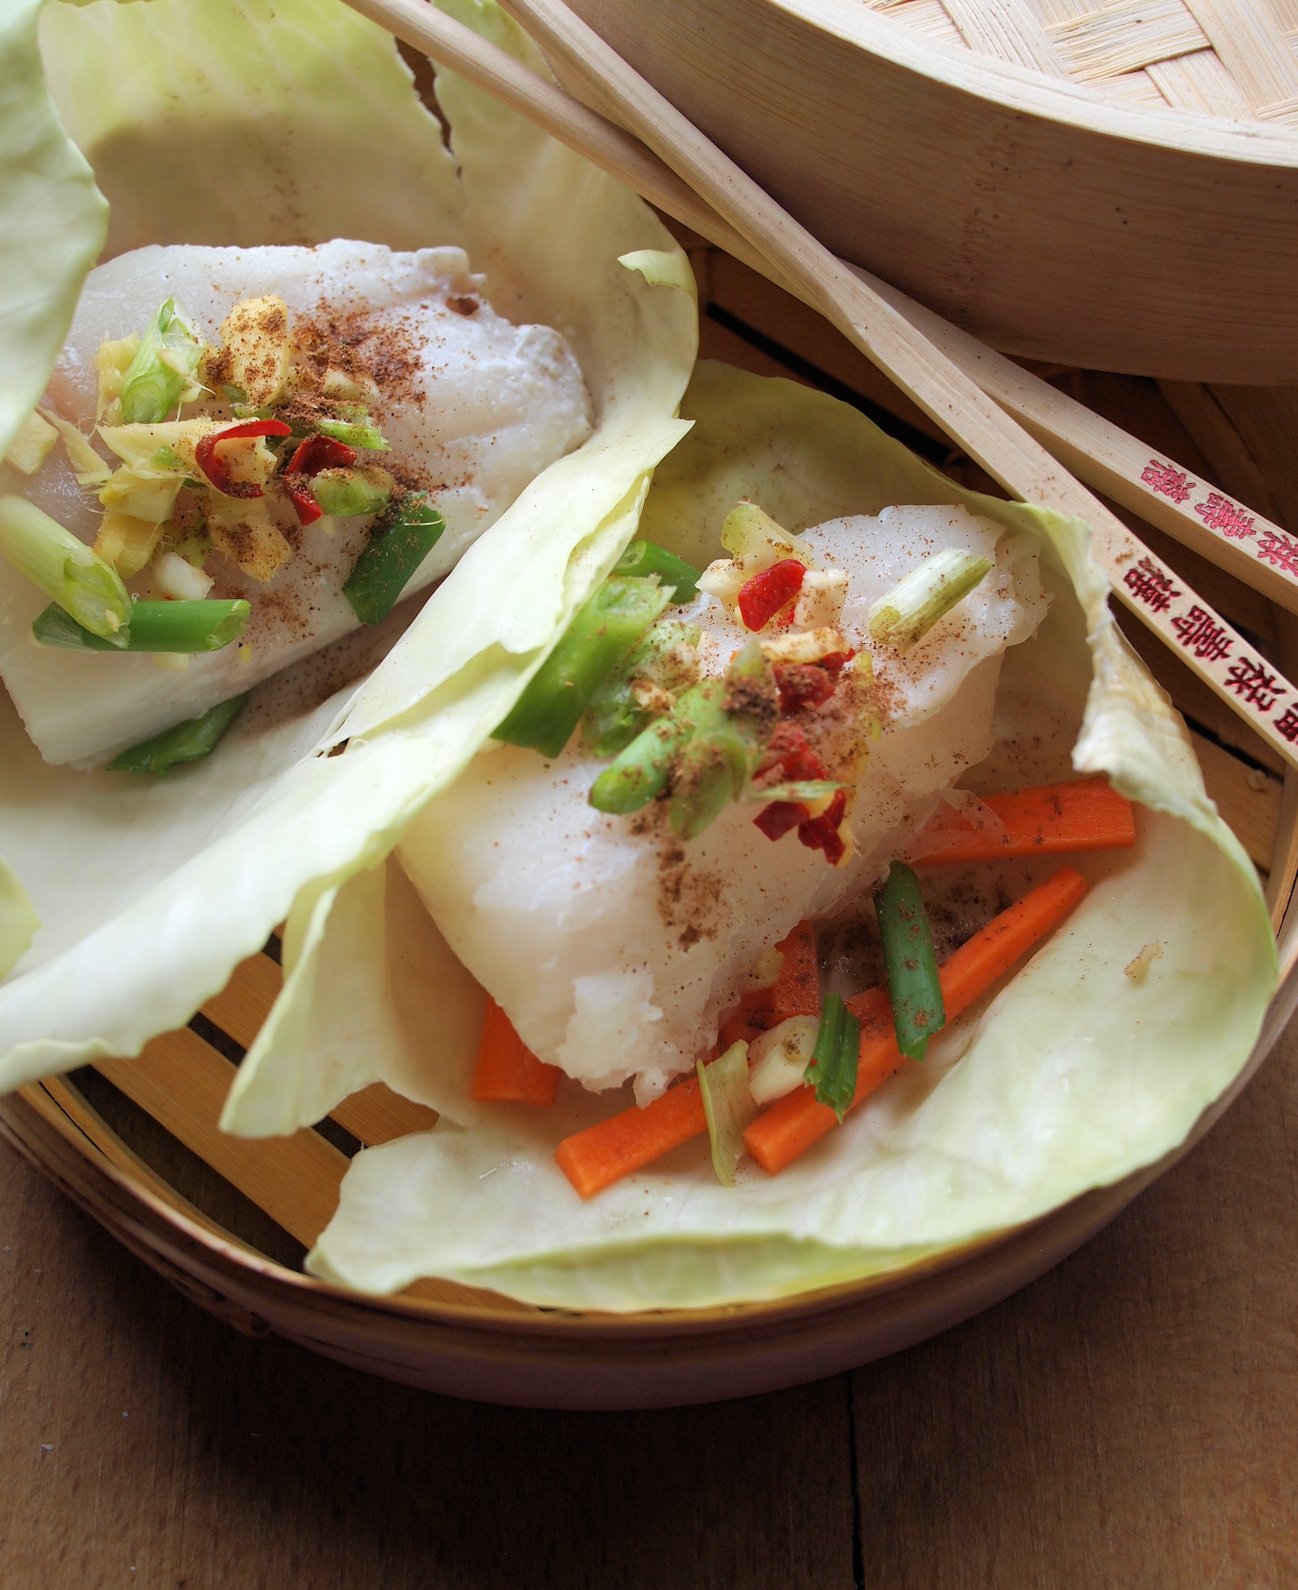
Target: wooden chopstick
(1161, 490)
(877, 320)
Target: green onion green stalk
(69, 572)
(189, 627)
(906, 613)
(616, 713)
(705, 749)
(399, 542)
(909, 961)
(718, 759)
(643, 558)
(183, 742)
(594, 645)
(641, 771)
(832, 1068)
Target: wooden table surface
(1128, 1420)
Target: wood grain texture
(1025, 207)
(1127, 1420)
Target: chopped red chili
(790, 750)
(822, 833)
(215, 467)
(307, 509)
(776, 819)
(320, 452)
(802, 685)
(762, 597)
(309, 458)
(835, 661)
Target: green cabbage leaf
(125, 903)
(1078, 1072)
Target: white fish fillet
(615, 948)
(483, 408)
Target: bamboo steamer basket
(1107, 185)
(136, 1144)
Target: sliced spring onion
(355, 433)
(351, 491)
(835, 1057)
(705, 749)
(750, 533)
(728, 1107)
(65, 568)
(907, 612)
(399, 542)
(716, 761)
(154, 626)
(164, 368)
(729, 719)
(658, 664)
(641, 771)
(909, 961)
(593, 646)
(643, 558)
(190, 741)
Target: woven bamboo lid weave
(1109, 186)
(1208, 57)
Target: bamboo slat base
(227, 1220)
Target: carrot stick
(1081, 814)
(795, 992)
(792, 1124)
(602, 1154)
(506, 1071)
(750, 1018)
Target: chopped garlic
(174, 577)
(820, 601)
(808, 647)
(779, 1058)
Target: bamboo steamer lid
(1111, 187)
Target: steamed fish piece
(615, 947)
(472, 408)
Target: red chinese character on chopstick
(1280, 550)
(1167, 480)
(1220, 513)
(1202, 634)
(1254, 684)
(1287, 724)
(1151, 585)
